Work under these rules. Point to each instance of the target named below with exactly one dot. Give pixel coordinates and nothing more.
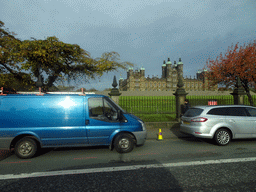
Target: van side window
(101, 109)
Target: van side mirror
(119, 115)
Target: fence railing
(150, 108)
(203, 100)
(148, 104)
(246, 100)
(160, 108)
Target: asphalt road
(220, 177)
(98, 169)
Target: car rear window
(192, 112)
(218, 111)
(251, 111)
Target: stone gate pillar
(238, 93)
(114, 94)
(180, 95)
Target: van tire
(25, 148)
(124, 143)
(222, 137)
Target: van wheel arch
(16, 139)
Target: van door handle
(86, 122)
(232, 120)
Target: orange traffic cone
(160, 136)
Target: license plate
(185, 122)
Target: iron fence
(150, 108)
(148, 104)
(154, 108)
(204, 100)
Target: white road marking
(123, 168)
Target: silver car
(221, 123)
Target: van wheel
(124, 143)
(25, 148)
(222, 137)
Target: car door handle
(87, 122)
(231, 120)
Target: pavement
(168, 130)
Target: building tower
(168, 67)
(180, 69)
(164, 70)
(142, 72)
(206, 81)
(129, 72)
(174, 64)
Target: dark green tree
(55, 60)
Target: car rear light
(199, 119)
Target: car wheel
(124, 143)
(25, 148)
(222, 137)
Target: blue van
(29, 122)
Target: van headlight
(143, 125)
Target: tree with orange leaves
(238, 62)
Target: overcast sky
(144, 32)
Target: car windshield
(192, 112)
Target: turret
(129, 72)
(174, 64)
(164, 70)
(200, 75)
(205, 80)
(121, 80)
(142, 72)
(168, 67)
(180, 68)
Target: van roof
(50, 95)
(58, 93)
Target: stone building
(136, 80)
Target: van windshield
(115, 105)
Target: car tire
(25, 148)
(222, 137)
(124, 143)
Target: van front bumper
(140, 136)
